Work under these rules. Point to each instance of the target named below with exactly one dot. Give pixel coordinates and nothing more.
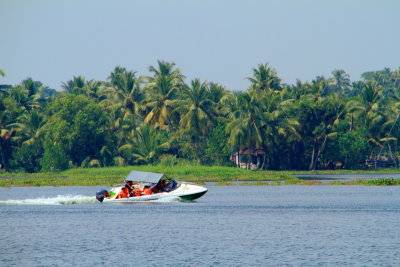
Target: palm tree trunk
(351, 122)
(248, 163)
(4, 162)
(390, 151)
(170, 128)
(312, 158)
(238, 159)
(395, 151)
(264, 160)
(249, 160)
(320, 150)
(249, 156)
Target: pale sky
(214, 40)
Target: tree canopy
(132, 119)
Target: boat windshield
(166, 185)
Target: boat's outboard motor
(100, 195)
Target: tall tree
(278, 125)
(122, 97)
(144, 146)
(124, 90)
(29, 127)
(197, 110)
(245, 131)
(161, 93)
(340, 83)
(298, 90)
(3, 86)
(75, 86)
(319, 88)
(264, 78)
(368, 104)
(9, 111)
(79, 126)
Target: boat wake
(167, 199)
(58, 200)
(76, 199)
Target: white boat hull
(185, 191)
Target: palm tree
(31, 85)
(264, 78)
(124, 90)
(333, 112)
(74, 86)
(340, 82)
(92, 89)
(30, 94)
(230, 106)
(245, 131)
(122, 95)
(79, 86)
(19, 94)
(298, 90)
(278, 125)
(9, 111)
(388, 124)
(3, 86)
(318, 119)
(166, 69)
(197, 110)
(319, 88)
(5, 147)
(216, 94)
(396, 77)
(29, 128)
(161, 94)
(368, 104)
(145, 146)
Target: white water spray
(58, 200)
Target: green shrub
(28, 157)
(384, 181)
(54, 158)
(226, 178)
(119, 161)
(168, 160)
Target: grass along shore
(191, 173)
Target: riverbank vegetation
(198, 174)
(164, 120)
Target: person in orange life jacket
(146, 191)
(136, 192)
(126, 190)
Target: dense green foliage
(134, 120)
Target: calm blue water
(229, 226)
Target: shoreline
(109, 176)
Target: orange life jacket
(137, 192)
(147, 191)
(124, 193)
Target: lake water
(229, 226)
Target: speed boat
(161, 187)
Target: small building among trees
(249, 159)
